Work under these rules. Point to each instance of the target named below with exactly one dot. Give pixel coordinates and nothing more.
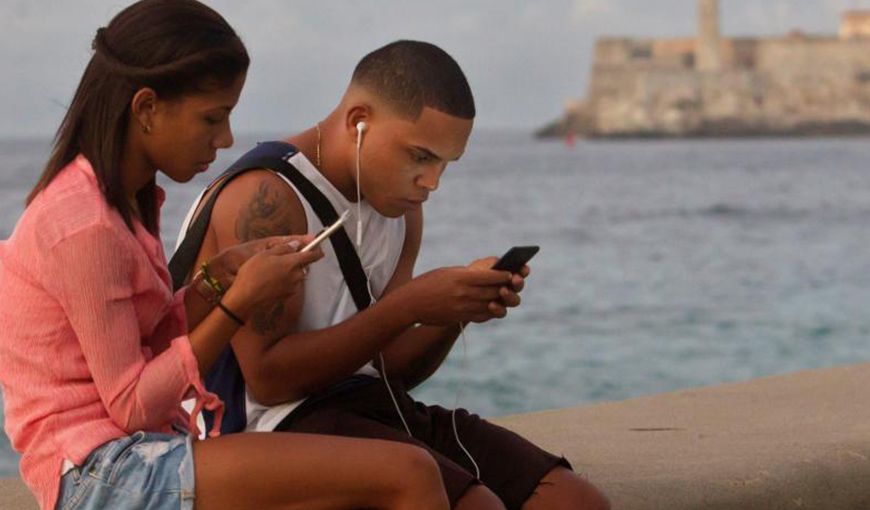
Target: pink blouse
(93, 343)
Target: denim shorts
(143, 471)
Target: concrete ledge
(15, 496)
(796, 441)
(789, 442)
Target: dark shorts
(510, 466)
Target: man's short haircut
(410, 75)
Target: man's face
(402, 160)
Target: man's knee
(478, 497)
(562, 488)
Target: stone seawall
(795, 441)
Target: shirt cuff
(204, 399)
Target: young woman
(96, 353)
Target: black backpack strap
(184, 258)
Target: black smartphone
(516, 258)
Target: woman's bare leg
(314, 472)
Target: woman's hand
(271, 272)
(225, 265)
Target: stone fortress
(797, 84)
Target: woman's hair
(175, 47)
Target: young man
(307, 363)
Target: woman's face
(187, 132)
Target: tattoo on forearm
(266, 214)
(265, 320)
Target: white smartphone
(325, 233)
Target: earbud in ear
(360, 128)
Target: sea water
(663, 264)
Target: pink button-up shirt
(93, 343)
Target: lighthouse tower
(709, 53)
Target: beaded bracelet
(204, 289)
(212, 281)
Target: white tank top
(327, 299)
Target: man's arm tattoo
(267, 214)
(264, 320)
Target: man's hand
(509, 294)
(451, 295)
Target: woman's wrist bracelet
(210, 280)
(230, 314)
(205, 291)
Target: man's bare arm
(417, 352)
(270, 210)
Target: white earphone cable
(392, 396)
(360, 127)
(456, 404)
(462, 366)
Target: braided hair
(175, 47)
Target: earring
(146, 128)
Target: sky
(523, 58)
